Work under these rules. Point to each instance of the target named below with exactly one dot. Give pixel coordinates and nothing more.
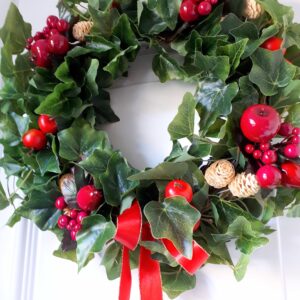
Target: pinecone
(244, 185)
(220, 174)
(67, 185)
(81, 29)
(252, 10)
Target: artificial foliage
(222, 52)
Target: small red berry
(213, 2)
(73, 235)
(72, 223)
(34, 139)
(257, 154)
(268, 177)
(62, 25)
(60, 203)
(249, 148)
(53, 31)
(40, 54)
(269, 157)
(74, 214)
(77, 227)
(30, 40)
(52, 21)
(38, 36)
(58, 44)
(295, 139)
(179, 188)
(69, 227)
(47, 124)
(89, 198)
(63, 221)
(264, 146)
(188, 11)
(46, 30)
(292, 151)
(296, 131)
(286, 129)
(204, 8)
(273, 44)
(290, 174)
(81, 215)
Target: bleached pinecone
(252, 9)
(81, 29)
(220, 174)
(244, 185)
(67, 185)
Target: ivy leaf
(48, 162)
(270, 71)
(241, 267)
(294, 114)
(95, 232)
(173, 219)
(70, 255)
(3, 199)
(168, 11)
(80, 141)
(292, 35)
(22, 72)
(183, 123)
(91, 77)
(112, 260)
(214, 100)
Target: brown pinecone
(220, 174)
(252, 9)
(244, 185)
(81, 29)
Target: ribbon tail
(125, 278)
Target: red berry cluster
(88, 199)
(51, 41)
(192, 10)
(36, 139)
(260, 124)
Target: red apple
(268, 177)
(291, 174)
(179, 187)
(260, 123)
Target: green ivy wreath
(223, 54)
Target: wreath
(241, 169)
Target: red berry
(89, 198)
(257, 154)
(179, 188)
(34, 139)
(188, 11)
(47, 124)
(286, 129)
(62, 25)
(295, 139)
(269, 157)
(72, 223)
(292, 151)
(204, 8)
(81, 215)
(53, 31)
(274, 43)
(77, 227)
(260, 123)
(296, 131)
(69, 227)
(63, 221)
(46, 30)
(264, 146)
(52, 21)
(268, 177)
(213, 2)
(73, 214)
(291, 174)
(40, 54)
(38, 36)
(73, 235)
(58, 44)
(249, 148)
(60, 203)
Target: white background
(28, 271)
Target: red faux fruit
(58, 44)
(249, 148)
(213, 2)
(77, 227)
(268, 177)
(74, 214)
(34, 139)
(52, 21)
(292, 151)
(38, 36)
(179, 187)
(62, 26)
(40, 54)
(73, 235)
(47, 124)
(264, 146)
(197, 225)
(53, 31)
(273, 43)
(89, 198)
(63, 221)
(260, 123)
(269, 157)
(72, 223)
(286, 129)
(296, 131)
(60, 203)
(69, 227)
(81, 215)
(204, 8)
(257, 154)
(295, 139)
(290, 174)
(188, 11)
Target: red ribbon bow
(129, 231)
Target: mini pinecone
(81, 29)
(244, 185)
(220, 174)
(252, 10)
(67, 185)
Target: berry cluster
(88, 199)
(192, 10)
(49, 42)
(260, 124)
(36, 139)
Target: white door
(28, 271)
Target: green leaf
(112, 260)
(22, 72)
(292, 35)
(183, 123)
(80, 141)
(174, 220)
(168, 10)
(270, 71)
(3, 199)
(48, 162)
(115, 181)
(294, 115)
(241, 267)
(214, 100)
(95, 232)
(6, 62)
